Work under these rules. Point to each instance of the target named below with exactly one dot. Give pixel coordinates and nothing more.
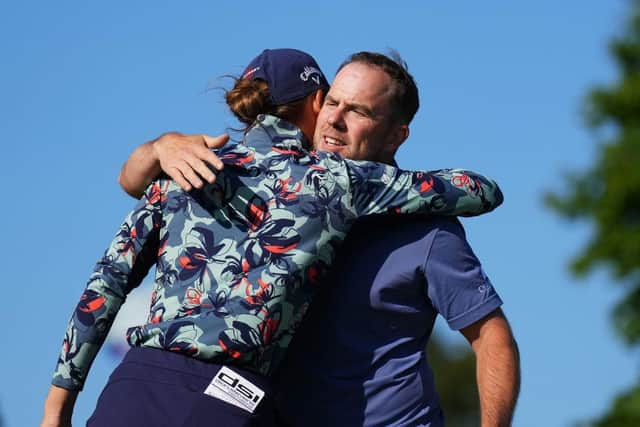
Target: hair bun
(247, 99)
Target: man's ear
(318, 100)
(404, 133)
(400, 135)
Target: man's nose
(336, 118)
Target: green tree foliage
(608, 196)
(624, 411)
(454, 368)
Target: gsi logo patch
(233, 388)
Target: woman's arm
(58, 407)
(122, 268)
(379, 188)
(183, 157)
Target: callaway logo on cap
(291, 74)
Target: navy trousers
(159, 388)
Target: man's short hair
(404, 95)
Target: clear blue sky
(82, 83)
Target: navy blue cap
(291, 74)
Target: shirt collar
(282, 132)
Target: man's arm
(497, 368)
(183, 157)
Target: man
(358, 357)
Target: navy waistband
(162, 360)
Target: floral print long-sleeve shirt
(237, 262)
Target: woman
(236, 262)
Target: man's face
(355, 118)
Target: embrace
(298, 272)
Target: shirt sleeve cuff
(67, 383)
(475, 313)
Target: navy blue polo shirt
(358, 358)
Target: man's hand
(183, 157)
(58, 407)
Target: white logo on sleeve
(311, 73)
(234, 389)
(486, 285)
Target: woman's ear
(318, 100)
